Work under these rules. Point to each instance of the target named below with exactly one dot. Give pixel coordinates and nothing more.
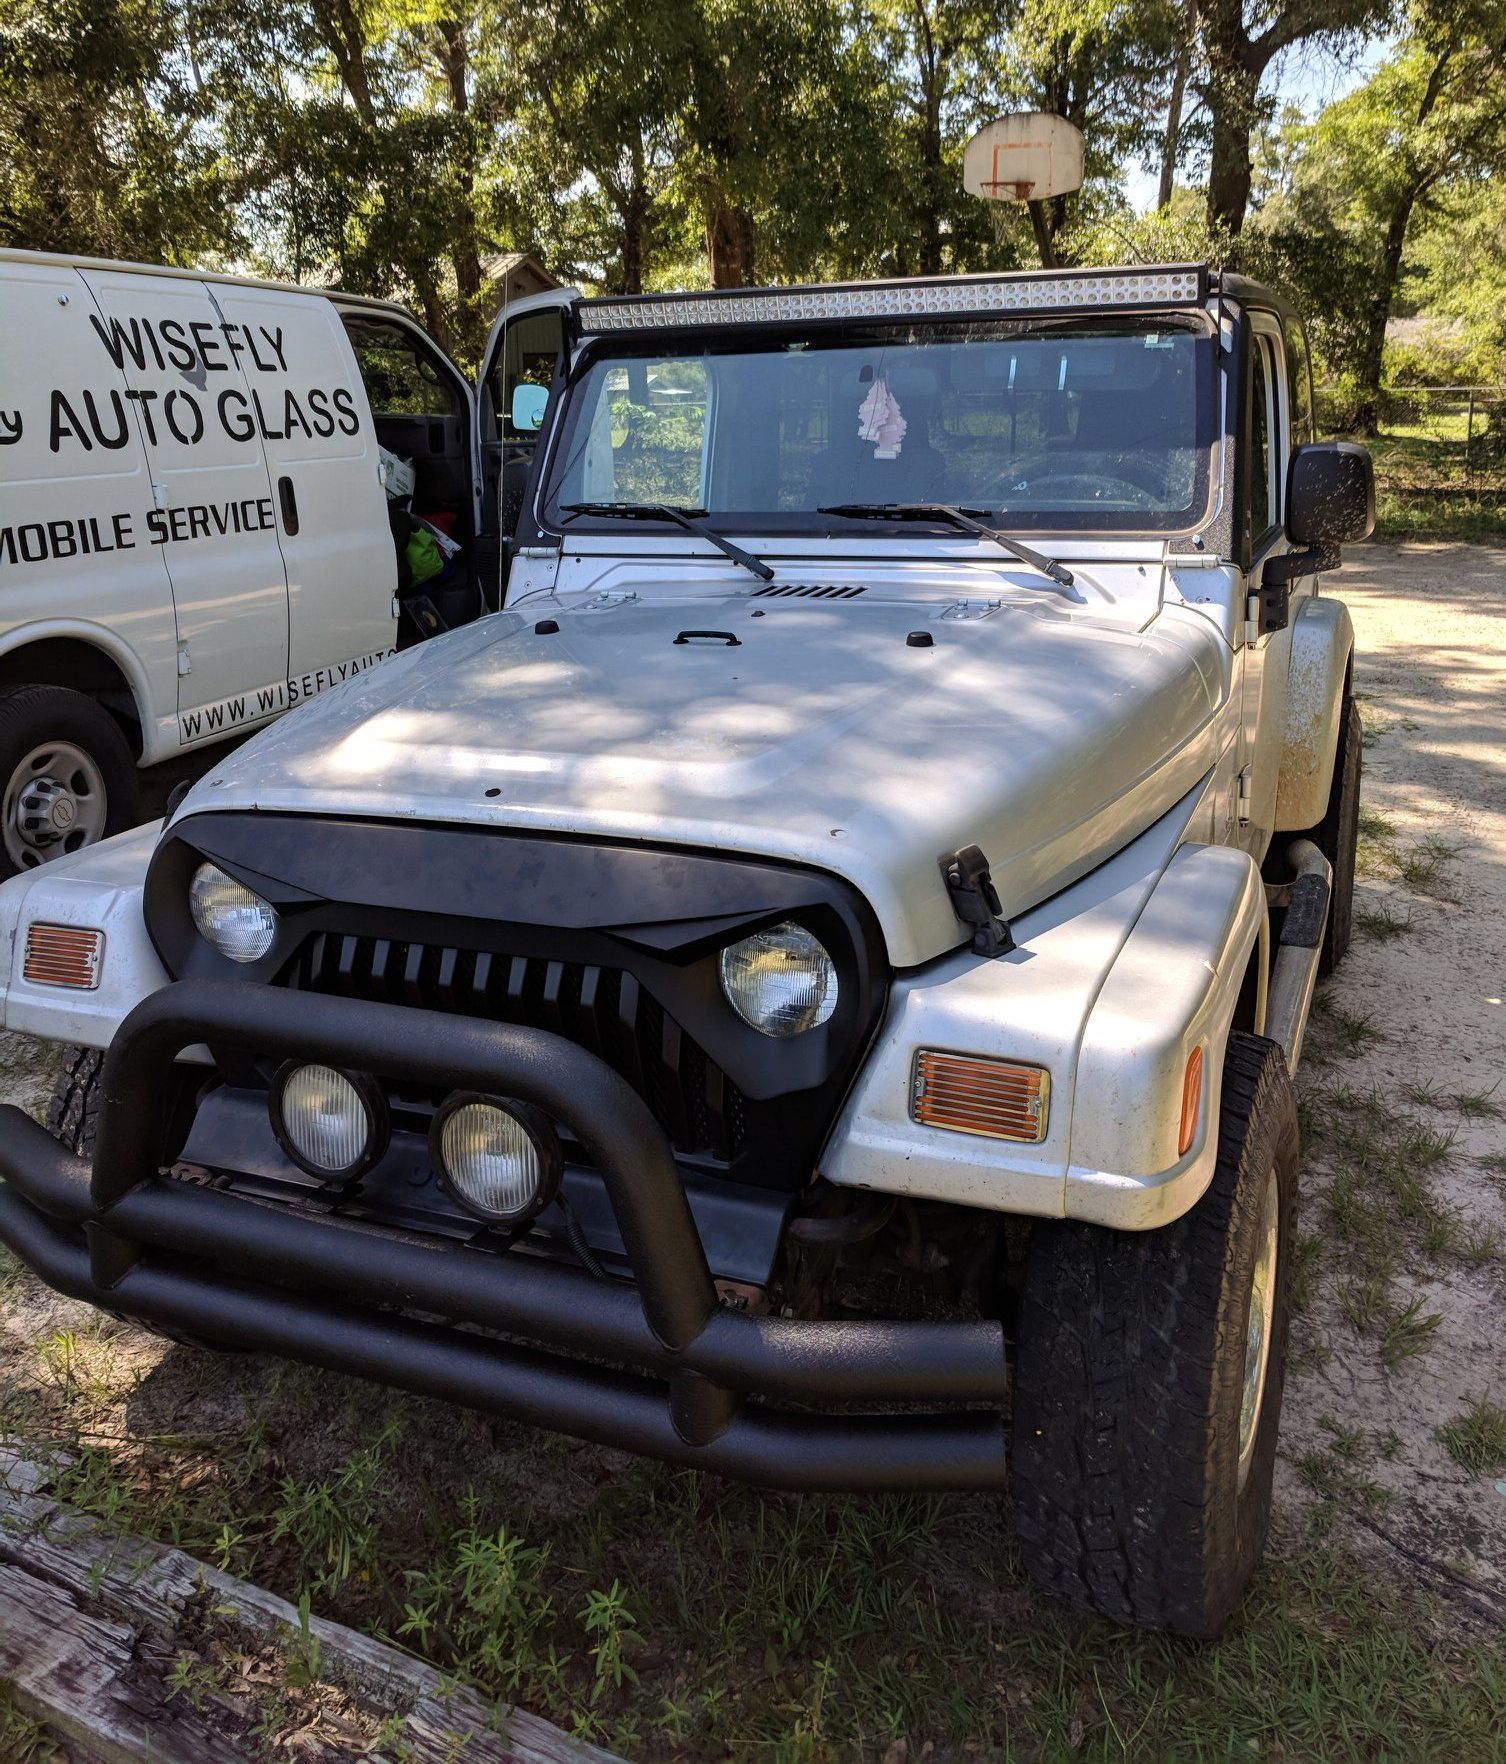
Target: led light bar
(63, 955)
(1181, 285)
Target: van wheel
(1149, 1377)
(67, 777)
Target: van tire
(96, 781)
(1132, 1495)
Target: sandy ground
(1431, 640)
(1431, 623)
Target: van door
(321, 452)
(76, 558)
(424, 413)
(193, 380)
(523, 363)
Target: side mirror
(1330, 494)
(1330, 501)
(528, 404)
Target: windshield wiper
(964, 519)
(691, 519)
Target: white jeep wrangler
(808, 990)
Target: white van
(194, 530)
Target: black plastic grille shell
(605, 1010)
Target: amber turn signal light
(63, 955)
(965, 1094)
(1192, 1100)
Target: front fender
(1111, 986)
(98, 888)
(1322, 643)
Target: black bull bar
(674, 1366)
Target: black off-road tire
(1130, 1375)
(73, 1118)
(32, 716)
(1337, 835)
(73, 1112)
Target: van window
(400, 379)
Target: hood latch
(976, 902)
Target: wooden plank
(92, 1621)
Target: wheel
(67, 777)
(1337, 834)
(73, 1118)
(1149, 1376)
(73, 1111)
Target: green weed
(1476, 1440)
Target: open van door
(523, 362)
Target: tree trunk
(1235, 66)
(465, 254)
(729, 246)
(338, 25)
(1171, 143)
(1367, 412)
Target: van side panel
(77, 555)
(193, 382)
(322, 454)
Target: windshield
(1064, 425)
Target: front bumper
(658, 1367)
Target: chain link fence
(1437, 436)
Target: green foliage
(1476, 1440)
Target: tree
(1102, 66)
(1430, 123)
(101, 142)
(1239, 39)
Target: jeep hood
(830, 734)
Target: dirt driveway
(840, 1627)
(1405, 1099)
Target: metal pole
(1469, 430)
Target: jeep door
(1267, 656)
(213, 512)
(522, 372)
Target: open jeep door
(524, 358)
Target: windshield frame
(697, 340)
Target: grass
(1381, 1202)
(1422, 491)
(662, 1612)
(1380, 924)
(1381, 855)
(1476, 1440)
(22, 1740)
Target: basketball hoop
(1027, 157)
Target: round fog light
(331, 1124)
(498, 1158)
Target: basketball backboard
(1026, 157)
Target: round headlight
(500, 1160)
(227, 914)
(780, 981)
(332, 1124)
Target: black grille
(602, 1009)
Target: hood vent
(807, 591)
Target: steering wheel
(1075, 487)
